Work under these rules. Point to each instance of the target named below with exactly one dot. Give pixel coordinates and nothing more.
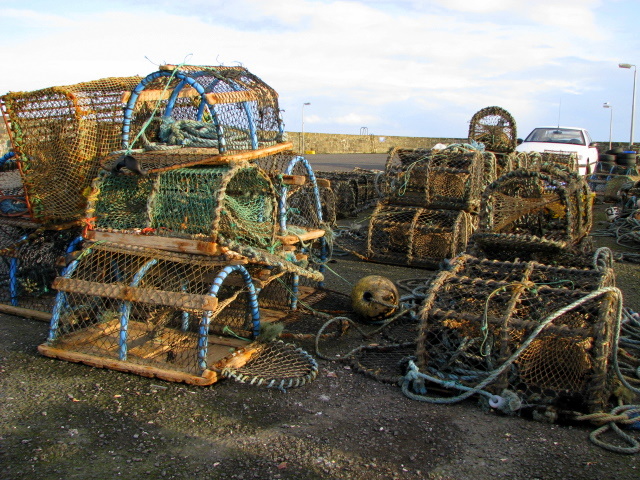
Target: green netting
(236, 202)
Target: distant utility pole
(302, 129)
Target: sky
(382, 67)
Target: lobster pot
(177, 317)
(524, 212)
(216, 107)
(231, 203)
(415, 236)
(448, 179)
(481, 314)
(31, 259)
(58, 134)
(306, 201)
(495, 128)
(354, 191)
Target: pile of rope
(626, 231)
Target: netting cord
(626, 231)
(346, 322)
(414, 376)
(8, 251)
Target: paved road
(345, 162)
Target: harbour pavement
(345, 162)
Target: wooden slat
(294, 179)
(238, 359)
(308, 235)
(182, 245)
(178, 300)
(259, 153)
(155, 95)
(208, 377)
(190, 92)
(227, 341)
(25, 312)
(90, 334)
(323, 182)
(231, 97)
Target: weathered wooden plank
(294, 179)
(182, 245)
(208, 377)
(25, 312)
(90, 334)
(303, 237)
(179, 300)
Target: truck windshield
(557, 135)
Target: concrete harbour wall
(341, 143)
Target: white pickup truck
(563, 139)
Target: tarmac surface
(60, 420)
(346, 162)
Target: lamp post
(609, 106)
(302, 130)
(633, 100)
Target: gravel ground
(60, 420)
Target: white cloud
(356, 119)
(375, 62)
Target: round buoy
(374, 298)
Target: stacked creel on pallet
(56, 135)
(431, 204)
(190, 250)
(433, 195)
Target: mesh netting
(385, 363)
(527, 211)
(237, 203)
(224, 108)
(58, 134)
(307, 208)
(31, 258)
(13, 202)
(416, 236)
(495, 128)
(450, 178)
(481, 314)
(564, 161)
(275, 365)
(306, 203)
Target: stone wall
(340, 143)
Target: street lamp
(608, 105)
(302, 130)
(633, 101)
